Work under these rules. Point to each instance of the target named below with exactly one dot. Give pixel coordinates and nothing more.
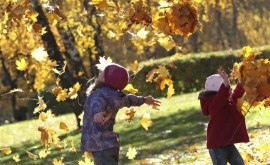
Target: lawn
(177, 136)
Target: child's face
(101, 77)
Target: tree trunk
(219, 25)
(235, 27)
(13, 84)
(91, 12)
(66, 79)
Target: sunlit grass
(178, 135)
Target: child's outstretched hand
(99, 117)
(151, 101)
(222, 73)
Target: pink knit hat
(116, 76)
(213, 82)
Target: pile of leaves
(255, 72)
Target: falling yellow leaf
(16, 158)
(81, 118)
(134, 67)
(39, 54)
(12, 91)
(86, 161)
(150, 75)
(52, 17)
(131, 154)
(170, 91)
(32, 15)
(130, 113)
(73, 149)
(41, 105)
(142, 33)
(167, 43)
(44, 136)
(146, 122)
(6, 150)
(56, 90)
(131, 89)
(46, 116)
(103, 62)
(21, 65)
(64, 127)
(60, 162)
(163, 72)
(73, 91)
(80, 73)
(32, 156)
(62, 95)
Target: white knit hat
(213, 82)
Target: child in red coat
(226, 125)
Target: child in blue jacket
(100, 108)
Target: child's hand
(99, 117)
(151, 101)
(226, 81)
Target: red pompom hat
(116, 76)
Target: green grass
(177, 135)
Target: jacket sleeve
(238, 92)
(221, 98)
(96, 103)
(132, 100)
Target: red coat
(224, 118)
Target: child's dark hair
(205, 94)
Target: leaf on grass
(146, 122)
(6, 150)
(131, 89)
(64, 127)
(31, 155)
(130, 113)
(21, 65)
(131, 154)
(86, 161)
(60, 162)
(103, 62)
(73, 149)
(16, 158)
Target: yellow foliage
(131, 89)
(21, 65)
(41, 105)
(131, 154)
(64, 127)
(16, 158)
(146, 122)
(31, 155)
(6, 150)
(130, 113)
(60, 162)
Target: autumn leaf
(171, 65)
(37, 28)
(31, 155)
(146, 122)
(21, 65)
(56, 90)
(131, 89)
(73, 149)
(64, 127)
(41, 105)
(80, 73)
(62, 95)
(87, 154)
(142, 33)
(150, 75)
(101, 3)
(16, 158)
(170, 91)
(6, 150)
(81, 118)
(108, 117)
(130, 113)
(12, 91)
(134, 67)
(46, 116)
(131, 154)
(59, 13)
(86, 161)
(52, 17)
(60, 162)
(44, 136)
(39, 54)
(44, 153)
(103, 62)
(73, 91)
(163, 72)
(32, 15)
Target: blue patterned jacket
(97, 137)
